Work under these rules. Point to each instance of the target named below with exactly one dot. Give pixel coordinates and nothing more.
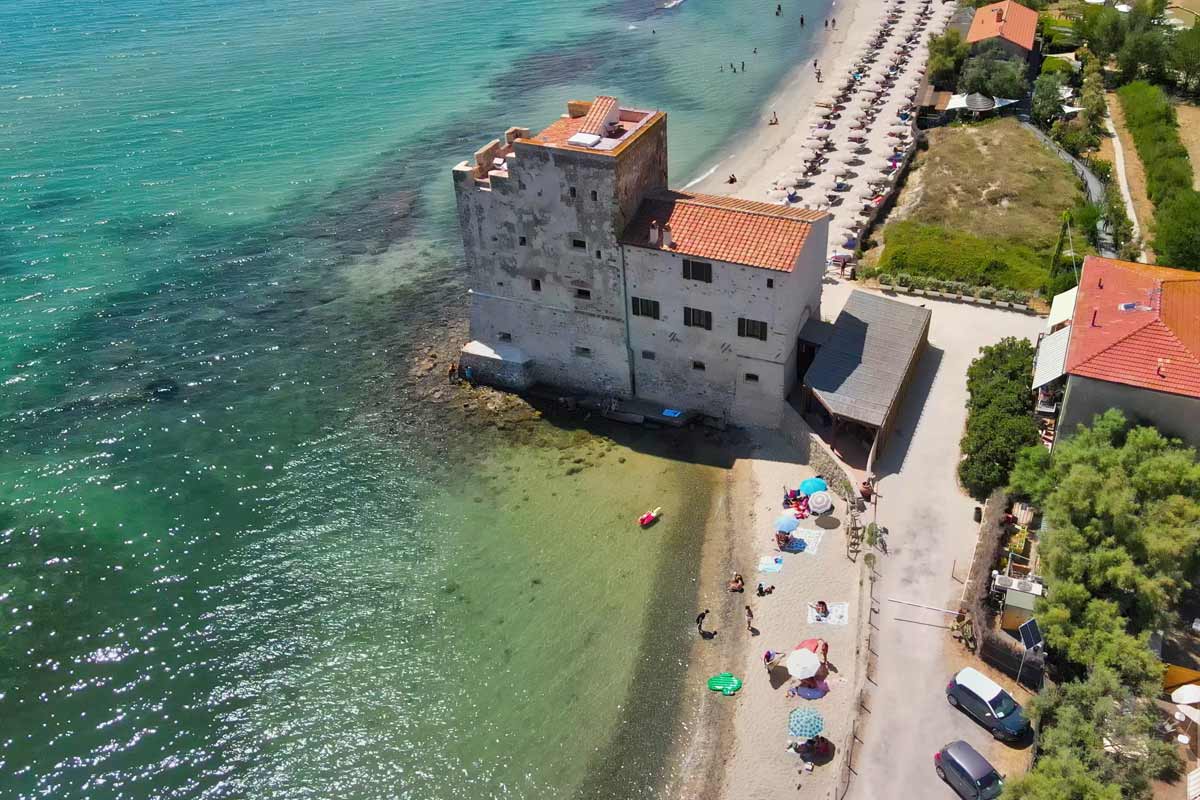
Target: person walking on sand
(700, 621)
(743, 66)
(827, 24)
(833, 23)
(778, 9)
(801, 20)
(749, 619)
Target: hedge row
(1155, 130)
(906, 281)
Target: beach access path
(930, 530)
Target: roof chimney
(1095, 311)
(654, 239)
(1100, 283)
(999, 15)
(1162, 368)
(666, 236)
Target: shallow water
(220, 225)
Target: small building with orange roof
(1009, 24)
(1132, 342)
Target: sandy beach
(736, 745)
(760, 154)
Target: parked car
(967, 772)
(981, 697)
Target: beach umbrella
(820, 502)
(1188, 694)
(805, 723)
(787, 523)
(813, 485)
(815, 645)
(803, 664)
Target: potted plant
(986, 293)
(918, 284)
(903, 280)
(885, 279)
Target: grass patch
(985, 208)
(934, 251)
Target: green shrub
(1000, 415)
(1102, 168)
(903, 280)
(937, 252)
(986, 293)
(1060, 66)
(884, 278)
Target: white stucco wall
(534, 201)
(721, 389)
(1173, 414)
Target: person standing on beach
(743, 66)
(749, 619)
(779, 10)
(826, 24)
(700, 621)
(833, 24)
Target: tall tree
(1177, 230)
(946, 56)
(1047, 97)
(1185, 56)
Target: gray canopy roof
(858, 372)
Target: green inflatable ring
(726, 683)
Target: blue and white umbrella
(805, 723)
(787, 523)
(813, 485)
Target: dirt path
(1135, 174)
(1189, 133)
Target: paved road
(931, 526)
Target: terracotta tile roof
(1155, 344)
(557, 132)
(725, 228)
(593, 123)
(1007, 20)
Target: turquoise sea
(231, 565)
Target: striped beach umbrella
(805, 723)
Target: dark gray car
(967, 772)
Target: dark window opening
(583, 352)
(752, 329)
(505, 336)
(594, 195)
(645, 308)
(697, 270)
(598, 254)
(535, 284)
(579, 244)
(698, 365)
(648, 355)
(751, 377)
(697, 318)
(522, 241)
(572, 191)
(583, 294)
(770, 283)
(499, 283)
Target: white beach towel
(812, 539)
(839, 614)
(770, 564)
